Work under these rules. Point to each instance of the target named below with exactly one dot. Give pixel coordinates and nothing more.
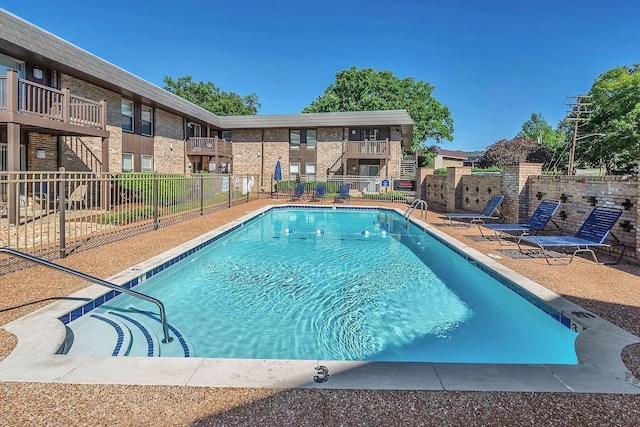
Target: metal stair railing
(163, 316)
(411, 208)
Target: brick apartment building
(61, 106)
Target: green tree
(615, 112)
(538, 129)
(510, 152)
(212, 98)
(368, 90)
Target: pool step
(125, 332)
(115, 336)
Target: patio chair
(592, 234)
(538, 221)
(298, 192)
(474, 218)
(77, 197)
(318, 194)
(344, 194)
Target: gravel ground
(611, 292)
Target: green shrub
(171, 187)
(489, 169)
(440, 171)
(330, 187)
(127, 216)
(389, 195)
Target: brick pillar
(454, 188)
(421, 190)
(515, 206)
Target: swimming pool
(328, 284)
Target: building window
(8, 63)
(294, 169)
(226, 135)
(127, 162)
(312, 138)
(127, 115)
(147, 163)
(310, 168)
(294, 138)
(370, 134)
(146, 127)
(197, 130)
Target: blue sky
(492, 62)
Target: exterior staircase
(336, 168)
(408, 166)
(79, 156)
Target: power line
(579, 113)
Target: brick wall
(524, 188)
(436, 191)
(168, 153)
(168, 143)
(476, 190)
(578, 195)
(247, 157)
(47, 143)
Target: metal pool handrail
(423, 211)
(163, 316)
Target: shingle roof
(25, 39)
(359, 118)
(457, 154)
(75, 61)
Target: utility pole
(580, 112)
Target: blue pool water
(346, 285)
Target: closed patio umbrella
(277, 174)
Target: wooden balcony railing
(24, 98)
(367, 149)
(209, 147)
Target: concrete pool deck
(598, 375)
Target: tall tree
(615, 112)
(367, 90)
(538, 129)
(510, 152)
(212, 98)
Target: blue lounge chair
(344, 194)
(318, 194)
(591, 234)
(538, 221)
(298, 192)
(475, 218)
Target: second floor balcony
(367, 149)
(44, 109)
(198, 146)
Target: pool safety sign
(384, 183)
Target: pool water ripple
(349, 292)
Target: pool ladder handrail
(163, 316)
(411, 208)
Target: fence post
(66, 104)
(201, 194)
(248, 189)
(230, 186)
(62, 205)
(156, 201)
